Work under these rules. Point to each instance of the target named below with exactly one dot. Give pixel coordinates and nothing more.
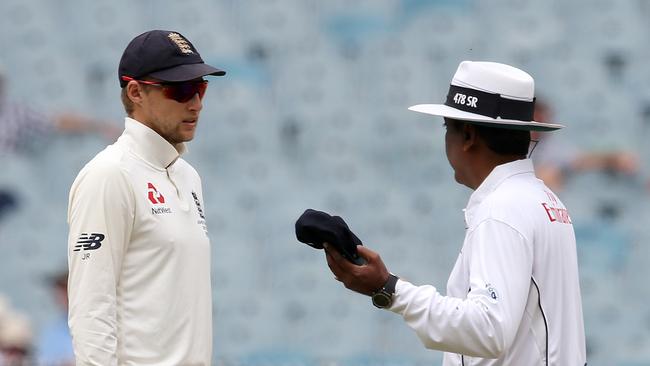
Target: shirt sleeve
(100, 215)
(484, 323)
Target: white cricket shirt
(139, 257)
(513, 296)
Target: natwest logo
(154, 196)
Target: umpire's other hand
(365, 279)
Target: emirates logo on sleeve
(154, 196)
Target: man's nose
(195, 104)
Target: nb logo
(89, 241)
(463, 99)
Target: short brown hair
(126, 101)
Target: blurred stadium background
(312, 114)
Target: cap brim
(449, 112)
(186, 72)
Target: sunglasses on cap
(181, 92)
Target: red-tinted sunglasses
(181, 92)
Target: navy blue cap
(315, 228)
(163, 55)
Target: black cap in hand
(316, 227)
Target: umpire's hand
(364, 279)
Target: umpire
(513, 296)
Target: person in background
(15, 337)
(23, 129)
(53, 343)
(556, 161)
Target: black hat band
(489, 104)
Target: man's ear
(469, 136)
(134, 92)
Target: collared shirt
(139, 257)
(513, 296)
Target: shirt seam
(470, 231)
(494, 185)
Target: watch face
(381, 300)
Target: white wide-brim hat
(490, 94)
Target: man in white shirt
(138, 248)
(513, 297)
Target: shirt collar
(148, 145)
(493, 180)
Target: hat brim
(186, 72)
(449, 112)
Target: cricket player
(138, 248)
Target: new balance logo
(89, 241)
(463, 99)
(154, 196)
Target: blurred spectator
(54, 344)
(15, 337)
(8, 202)
(555, 160)
(24, 130)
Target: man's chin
(182, 138)
(186, 136)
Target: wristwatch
(383, 298)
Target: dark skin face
(469, 156)
(472, 162)
(454, 150)
(464, 152)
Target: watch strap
(390, 284)
(383, 298)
